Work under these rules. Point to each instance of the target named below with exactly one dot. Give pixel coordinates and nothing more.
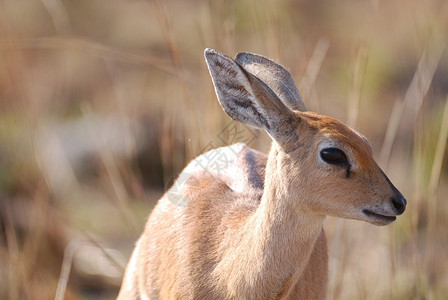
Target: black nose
(399, 203)
(397, 200)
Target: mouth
(379, 218)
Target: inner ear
(275, 76)
(246, 98)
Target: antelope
(254, 229)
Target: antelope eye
(333, 156)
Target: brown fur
(190, 243)
(254, 229)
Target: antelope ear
(275, 76)
(246, 98)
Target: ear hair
(275, 76)
(243, 96)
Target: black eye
(333, 156)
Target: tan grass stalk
(13, 254)
(391, 132)
(357, 77)
(313, 67)
(69, 252)
(433, 195)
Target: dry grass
(103, 103)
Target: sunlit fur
(254, 229)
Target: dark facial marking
(347, 173)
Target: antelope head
(323, 165)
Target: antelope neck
(286, 237)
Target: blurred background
(102, 103)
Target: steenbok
(254, 229)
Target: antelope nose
(399, 203)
